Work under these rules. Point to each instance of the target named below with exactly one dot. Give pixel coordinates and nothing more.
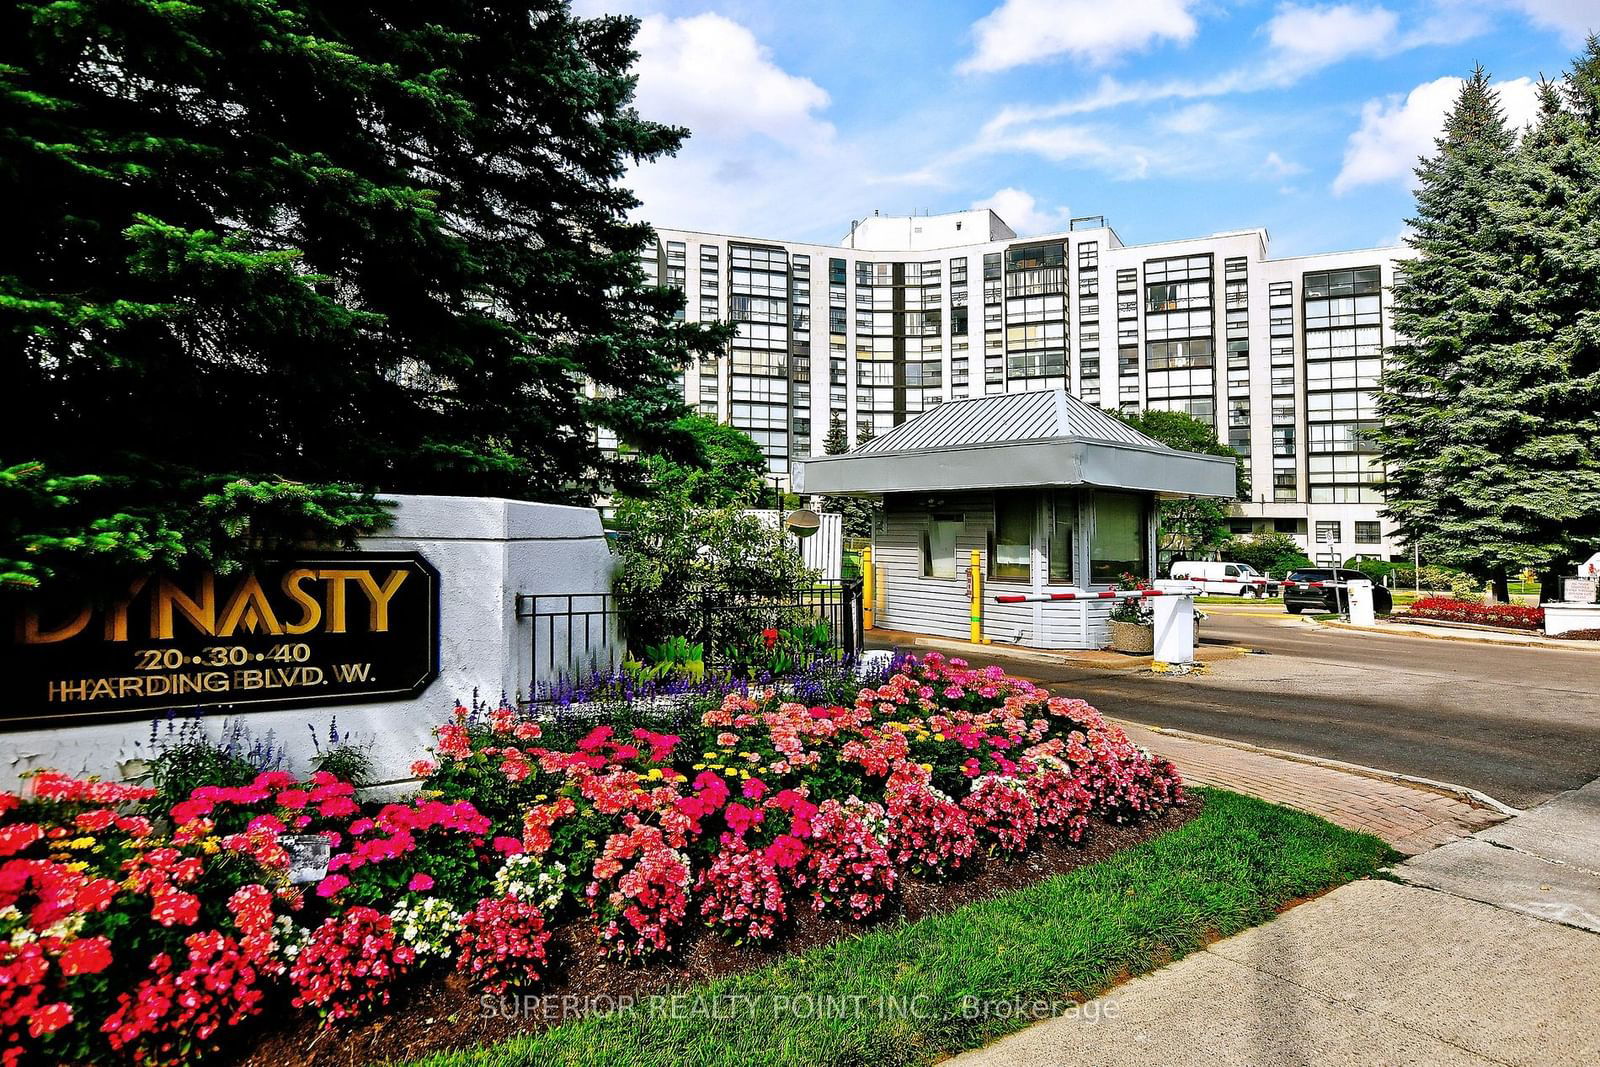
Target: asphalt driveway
(1521, 724)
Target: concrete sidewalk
(1483, 958)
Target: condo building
(1282, 356)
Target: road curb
(1461, 792)
(1548, 643)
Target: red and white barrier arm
(1315, 585)
(1109, 594)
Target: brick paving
(1411, 818)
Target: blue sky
(1173, 118)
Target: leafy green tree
(727, 467)
(1483, 421)
(1195, 525)
(1273, 554)
(675, 558)
(268, 255)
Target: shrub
(502, 944)
(428, 926)
(1451, 609)
(532, 878)
(1003, 810)
(670, 553)
(741, 894)
(640, 892)
(928, 831)
(847, 867)
(349, 964)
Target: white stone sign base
(486, 552)
(1564, 618)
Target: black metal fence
(580, 634)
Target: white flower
(532, 879)
(428, 925)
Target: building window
(1368, 533)
(1063, 535)
(1328, 533)
(1119, 545)
(1011, 541)
(939, 545)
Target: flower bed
(158, 937)
(1449, 609)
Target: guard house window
(1011, 541)
(1368, 533)
(1118, 546)
(939, 545)
(1063, 535)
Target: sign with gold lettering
(328, 629)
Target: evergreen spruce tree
(267, 256)
(1547, 379)
(1449, 483)
(857, 511)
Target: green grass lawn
(1076, 934)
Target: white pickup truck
(1227, 579)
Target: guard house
(1054, 495)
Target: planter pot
(1133, 638)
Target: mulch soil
(445, 1013)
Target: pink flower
(332, 884)
(420, 883)
(727, 740)
(423, 768)
(509, 846)
(754, 789)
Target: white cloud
(1196, 118)
(1573, 19)
(1300, 41)
(710, 74)
(1019, 32)
(1279, 167)
(1309, 38)
(1023, 213)
(1396, 130)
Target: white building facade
(1282, 356)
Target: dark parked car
(1299, 596)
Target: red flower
(87, 955)
(174, 907)
(49, 1019)
(420, 883)
(770, 636)
(510, 846)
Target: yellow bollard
(867, 591)
(975, 587)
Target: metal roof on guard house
(1037, 440)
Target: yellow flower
(927, 767)
(698, 767)
(80, 842)
(655, 772)
(938, 737)
(709, 755)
